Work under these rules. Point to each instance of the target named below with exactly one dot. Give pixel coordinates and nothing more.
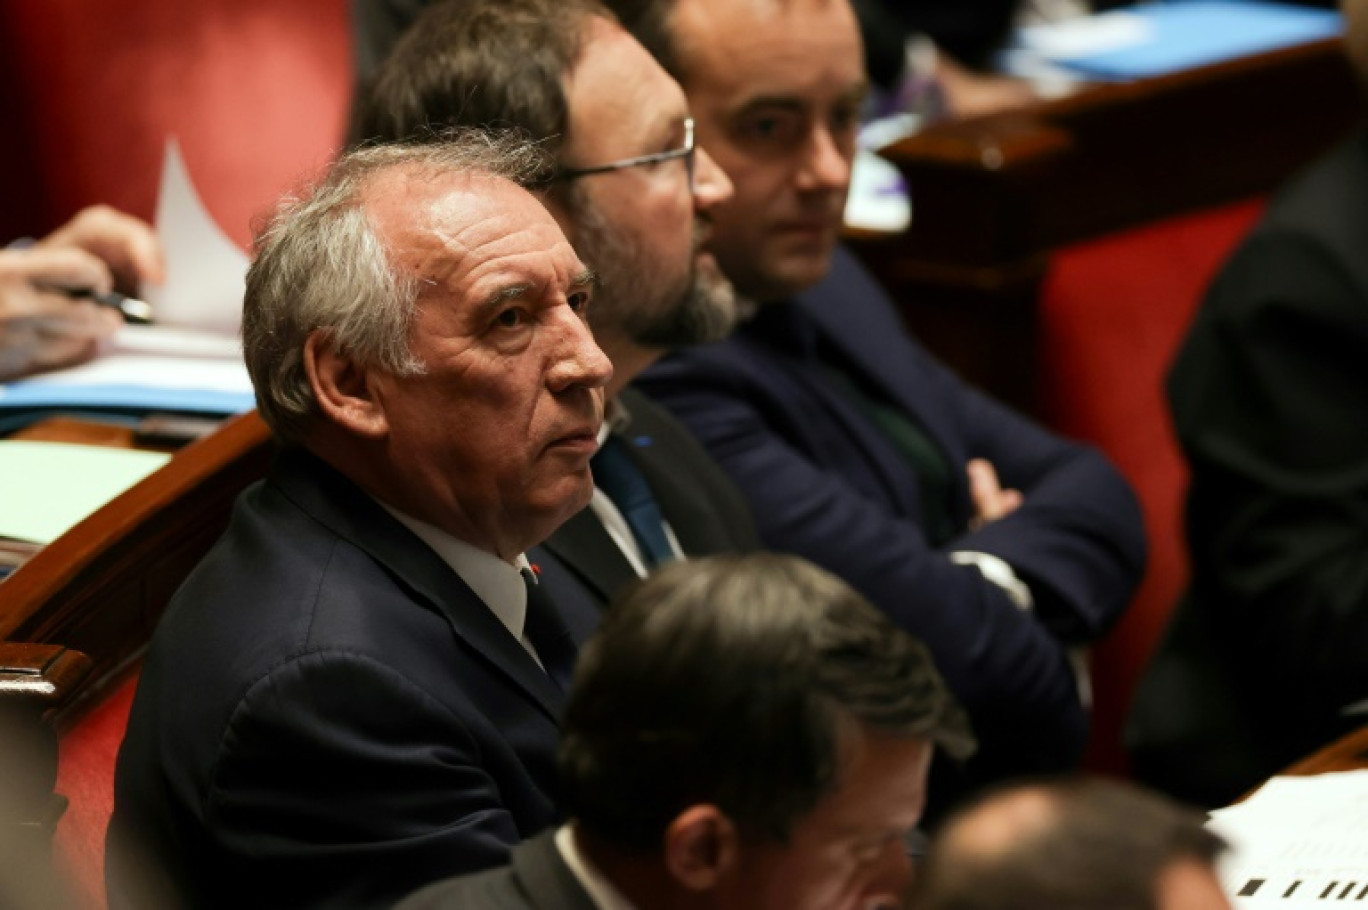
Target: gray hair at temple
(737, 682)
(318, 264)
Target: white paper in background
(1298, 843)
(878, 199)
(1089, 36)
(205, 271)
(211, 374)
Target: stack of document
(1299, 842)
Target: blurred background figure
(42, 325)
(1084, 844)
(1263, 660)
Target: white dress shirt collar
(499, 584)
(599, 889)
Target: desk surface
(1348, 753)
(993, 197)
(100, 587)
(991, 191)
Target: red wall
(255, 90)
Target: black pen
(135, 311)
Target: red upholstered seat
(85, 776)
(1113, 312)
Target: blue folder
(1193, 33)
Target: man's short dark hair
(493, 64)
(735, 682)
(1089, 844)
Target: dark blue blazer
(825, 483)
(328, 716)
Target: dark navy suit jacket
(328, 715)
(825, 483)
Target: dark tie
(621, 480)
(548, 634)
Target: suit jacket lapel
(584, 548)
(859, 320)
(338, 504)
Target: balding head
(1072, 845)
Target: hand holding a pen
(126, 245)
(55, 300)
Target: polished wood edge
(1347, 753)
(53, 568)
(46, 674)
(899, 272)
(93, 690)
(1006, 140)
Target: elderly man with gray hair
(357, 691)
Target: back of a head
(1077, 844)
(485, 63)
(730, 681)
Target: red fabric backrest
(85, 776)
(1113, 312)
(255, 90)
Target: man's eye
(770, 129)
(511, 318)
(763, 127)
(578, 301)
(845, 121)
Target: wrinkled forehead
(440, 228)
(409, 197)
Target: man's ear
(342, 388)
(701, 846)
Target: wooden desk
(100, 588)
(75, 618)
(992, 197)
(1348, 753)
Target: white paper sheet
(1299, 842)
(205, 271)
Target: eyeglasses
(685, 151)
